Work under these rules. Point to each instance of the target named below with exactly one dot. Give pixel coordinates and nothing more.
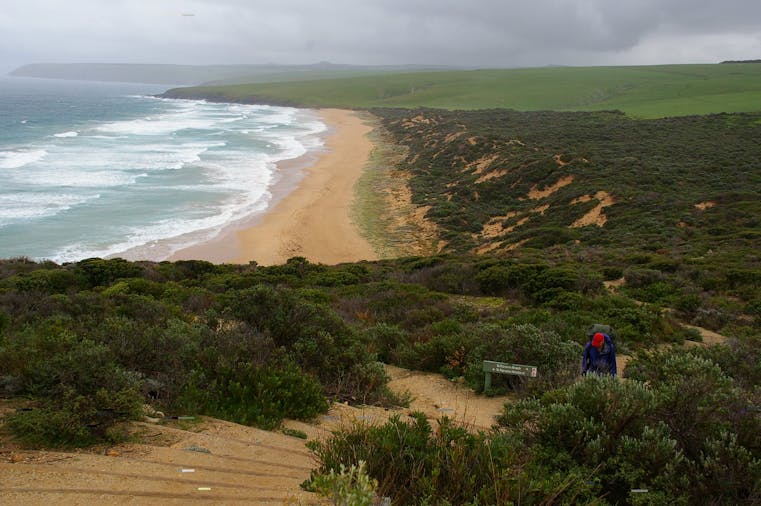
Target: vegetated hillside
(90, 342)
(654, 91)
(672, 204)
(83, 346)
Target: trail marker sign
(505, 368)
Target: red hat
(598, 339)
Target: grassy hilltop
(647, 92)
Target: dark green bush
(739, 358)
(160, 354)
(314, 336)
(103, 272)
(47, 280)
(696, 399)
(639, 277)
(612, 273)
(414, 464)
(72, 420)
(282, 314)
(447, 277)
(5, 321)
(557, 359)
(442, 352)
(256, 395)
(498, 279)
(385, 341)
(601, 424)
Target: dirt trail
(216, 462)
(708, 336)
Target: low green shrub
(350, 486)
(256, 395)
(103, 272)
(47, 281)
(415, 464)
(696, 399)
(557, 359)
(385, 340)
(73, 420)
(739, 358)
(600, 425)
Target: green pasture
(644, 91)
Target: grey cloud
(479, 32)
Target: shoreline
(311, 212)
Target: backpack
(605, 329)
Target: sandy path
(224, 464)
(436, 396)
(230, 463)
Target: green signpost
(504, 368)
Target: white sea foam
(212, 163)
(18, 158)
(184, 115)
(160, 156)
(82, 178)
(161, 239)
(66, 134)
(16, 207)
(161, 126)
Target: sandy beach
(315, 219)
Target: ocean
(104, 169)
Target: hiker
(599, 355)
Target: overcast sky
(482, 33)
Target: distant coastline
(210, 95)
(742, 61)
(187, 75)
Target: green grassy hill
(647, 92)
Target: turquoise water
(102, 169)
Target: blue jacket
(601, 361)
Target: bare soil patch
(491, 175)
(482, 163)
(535, 193)
(702, 206)
(596, 216)
(709, 337)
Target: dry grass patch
(420, 235)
